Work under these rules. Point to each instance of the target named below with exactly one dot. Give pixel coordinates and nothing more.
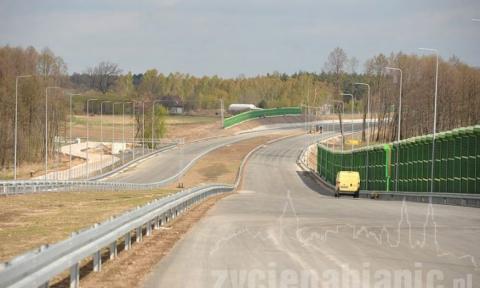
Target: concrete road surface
(169, 163)
(279, 231)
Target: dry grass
(28, 221)
(29, 170)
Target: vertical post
(139, 234)
(70, 146)
(368, 137)
(133, 130)
(113, 250)
(399, 125)
(46, 128)
(101, 133)
(97, 261)
(123, 133)
(221, 111)
(143, 128)
(86, 151)
(434, 118)
(74, 276)
(128, 241)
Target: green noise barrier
(456, 164)
(253, 114)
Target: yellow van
(348, 182)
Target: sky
(229, 38)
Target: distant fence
(248, 115)
(456, 166)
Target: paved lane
(279, 231)
(169, 163)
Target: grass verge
(28, 221)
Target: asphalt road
(279, 231)
(169, 163)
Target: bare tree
(335, 65)
(104, 75)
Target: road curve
(280, 230)
(167, 164)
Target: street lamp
(113, 130)
(46, 127)
(16, 125)
(399, 121)
(123, 130)
(70, 136)
(88, 101)
(101, 133)
(368, 137)
(434, 114)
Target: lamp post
(399, 122)
(113, 130)
(16, 125)
(133, 129)
(101, 133)
(46, 127)
(434, 115)
(88, 101)
(123, 130)
(143, 128)
(368, 136)
(70, 136)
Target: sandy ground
(28, 221)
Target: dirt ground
(131, 267)
(28, 221)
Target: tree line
(458, 89)
(458, 100)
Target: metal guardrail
(36, 268)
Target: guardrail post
(139, 234)
(113, 250)
(149, 228)
(157, 222)
(97, 261)
(160, 221)
(128, 241)
(74, 276)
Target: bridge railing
(253, 114)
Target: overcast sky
(229, 38)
